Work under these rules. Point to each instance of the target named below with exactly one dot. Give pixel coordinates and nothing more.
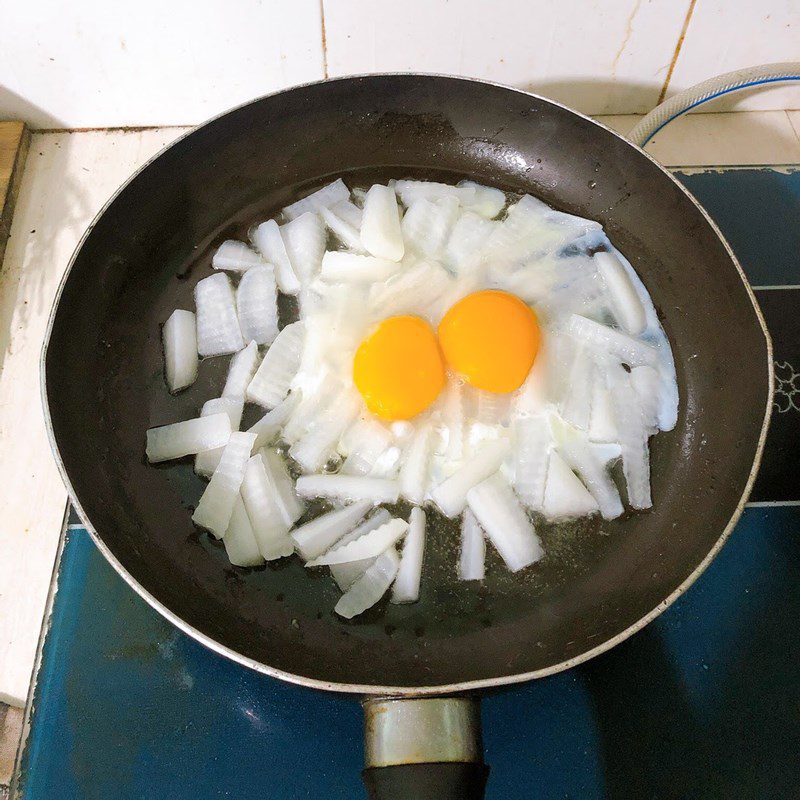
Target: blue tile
(758, 212)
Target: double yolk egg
(489, 339)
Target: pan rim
(379, 689)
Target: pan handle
(424, 748)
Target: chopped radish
(453, 417)
(206, 461)
(187, 438)
(368, 440)
(348, 487)
(627, 307)
(368, 546)
(263, 509)
(606, 340)
(352, 268)
(214, 510)
(318, 444)
(488, 202)
(633, 435)
(471, 565)
(380, 224)
(464, 248)
(414, 470)
(406, 584)
(347, 574)
(347, 234)
(269, 426)
(240, 371)
(319, 535)
(370, 587)
(179, 335)
(236, 257)
(304, 238)
(412, 191)
(325, 197)
(239, 540)
(271, 382)
(565, 497)
(427, 224)
(218, 330)
(500, 514)
(348, 212)
(257, 305)
(269, 241)
(289, 505)
(532, 452)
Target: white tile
(67, 179)
(794, 119)
(596, 56)
(94, 63)
(724, 35)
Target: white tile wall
(724, 35)
(600, 57)
(94, 63)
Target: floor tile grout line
(772, 503)
(775, 287)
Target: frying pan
(104, 387)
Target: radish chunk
(606, 340)
(633, 435)
(370, 545)
(325, 197)
(239, 540)
(350, 213)
(406, 584)
(577, 402)
(451, 495)
(343, 267)
(453, 416)
(318, 444)
(304, 238)
(427, 224)
(370, 587)
(269, 426)
(257, 305)
(411, 291)
(206, 461)
(414, 471)
(347, 574)
(380, 224)
(348, 487)
(471, 565)
(240, 372)
(626, 305)
(218, 330)
(263, 509)
(291, 507)
(187, 438)
(214, 510)
(565, 497)
(500, 514)
(368, 440)
(488, 202)
(412, 191)
(532, 451)
(319, 535)
(236, 257)
(462, 253)
(271, 382)
(347, 234)
(180, 350)
(269, 241)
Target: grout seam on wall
(324, 39)
(113, 129)
(678, 46)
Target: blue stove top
(703, 703)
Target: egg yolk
(398, 368)
(490, 338)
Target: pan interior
(155, 240)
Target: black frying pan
(141, 258)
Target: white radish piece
(318, 444)
(647, 384)
(348, 488)
(532, 442)
(490, 408)
(239, 540)
(319, 535)
(348, 212)
(214, 510)
(367, 440)
(427, 224)
(602, 427)
(633, 434)
(411, 291)
(451, 494)
(370, 587)
(369, 545)
(346, 575)
(236, 256)
(327, 196)
(206, 461)
(186, 438)
(308, 409)
(269, 241)
(341, 267)
(347, 234)
(414, 469)
(263, 509)
(606, 340)
(453, 417)
(289, 504)
(240, 371)
(406, 584)
(218, 330)
(304, 238)
(625, 303)
(387, 465)
(565, 497)
(472, 562)
(464, 248)
(500, 514)
(269, 426)
(271, 382)
(412, 191)
(380, 224)
(179, 335)
(488, 202)
(576, 404)
(257, 305)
